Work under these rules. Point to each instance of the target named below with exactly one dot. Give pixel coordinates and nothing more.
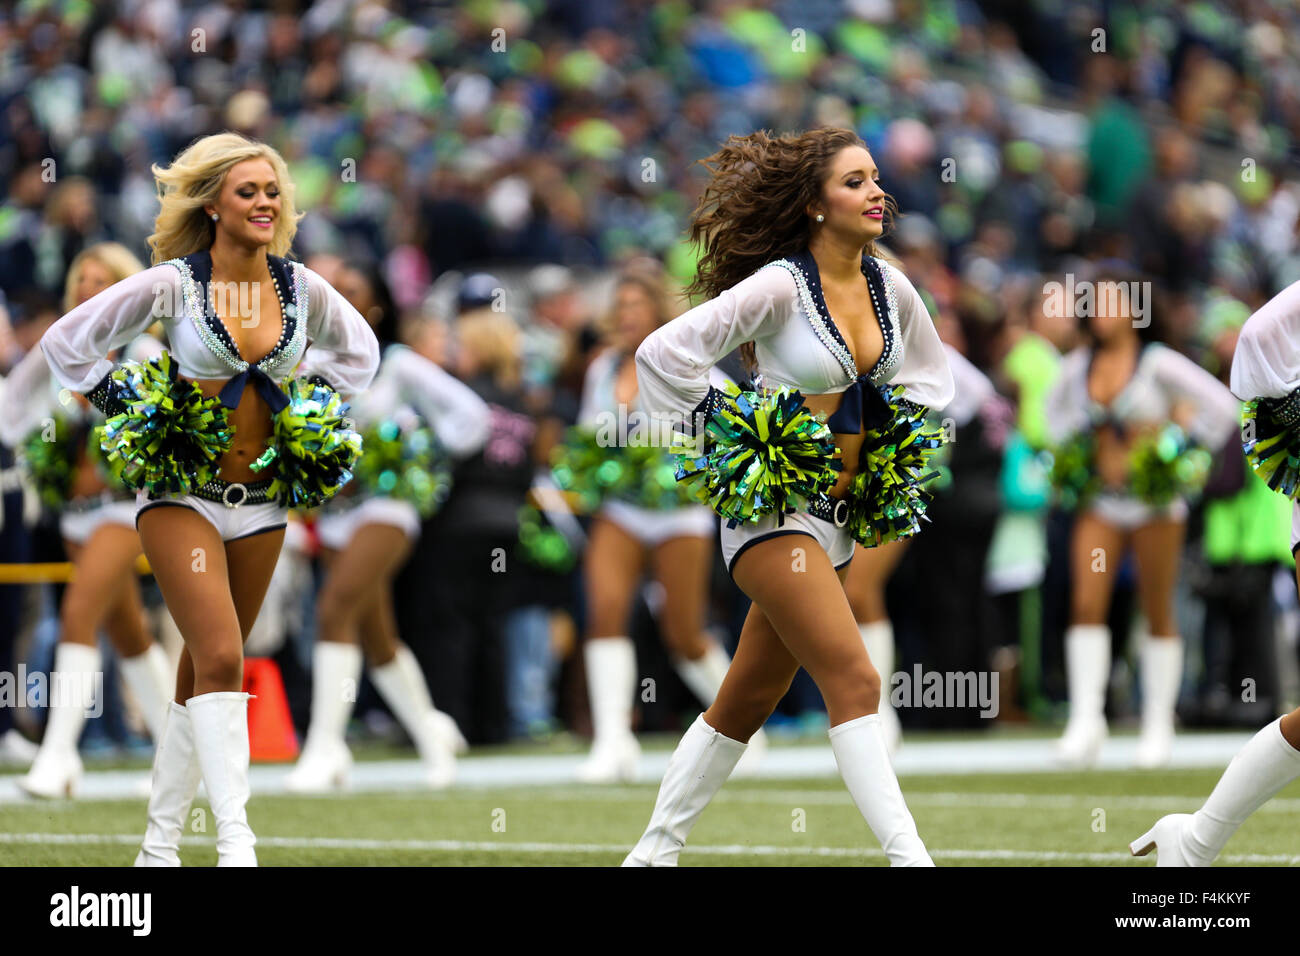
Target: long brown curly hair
(753, 208)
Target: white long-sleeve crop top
(408, 383)
(29, 394)
(780, 309)
(1163, 377)
(1267, 361)
(175, 292)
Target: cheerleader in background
(1266, 366)
(676, 544)
(1121, 389)
(366, 536)
(872, 567)
(97, 523)
(787, 226)
(226, 220)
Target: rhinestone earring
(215, 217)
(820, 217)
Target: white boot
(611, 682)
(878, 636)
(153, 684)
(17, 750)
(859, 747)
(56, 771)
(696, 772)
(1087, 667)
(403, 687)
(220, 724)
(1261, 768)
(1162, 676)
(175, 781)
(704, 675)
(325, 761)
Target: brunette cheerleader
(366, 537)
(626, 538)
(786, 226)
(1116, 393)
(97, 523)
(224, 294)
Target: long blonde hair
(493, 339)
(194, 179)
(113, 256)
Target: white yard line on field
(976, 755)
(483, 846)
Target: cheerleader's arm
(923, 371)
(77, 345)
(343, 352)
(1216, 410)
(673, 362)
(458, 416)
(1266, 364)
(25, 396)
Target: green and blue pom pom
(1272, 449)
(407, 464)
(313, 446)
(889, 495)
(591, 471)
(51, 460)
(171, 438)
(1072, 470)
(542, 545)
(764, 454)
(1167, 465)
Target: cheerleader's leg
(1157, 546)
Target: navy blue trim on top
(200, 264)
(876, 287)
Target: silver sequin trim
(892, 355)
(192, 296)
(816, 320)
(278, 356)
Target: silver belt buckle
(243, 495)
(840, 513)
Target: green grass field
(1082, 819)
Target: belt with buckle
(833, 510)
(232, 494)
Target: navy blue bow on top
(271, 393)
(862, 406)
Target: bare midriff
(86, 480)
(251, 423)
(850, 446)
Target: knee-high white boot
(611, 682)
(403, 687)
(878, 636)
(56, 771)
(1162, 675)
(696, 772)
(153, 683)
(859, 747)
(325, 759)
(1259, 770)
(704, 677)
(220, 725)
(175, 781)
(1087, 668)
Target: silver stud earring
(820, 217)
(215, 217)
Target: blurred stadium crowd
(447, 151)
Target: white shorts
(1129, 513)
(232, 524)
(653, 527)
(78, 526)
(836, 542)
(335, 527)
